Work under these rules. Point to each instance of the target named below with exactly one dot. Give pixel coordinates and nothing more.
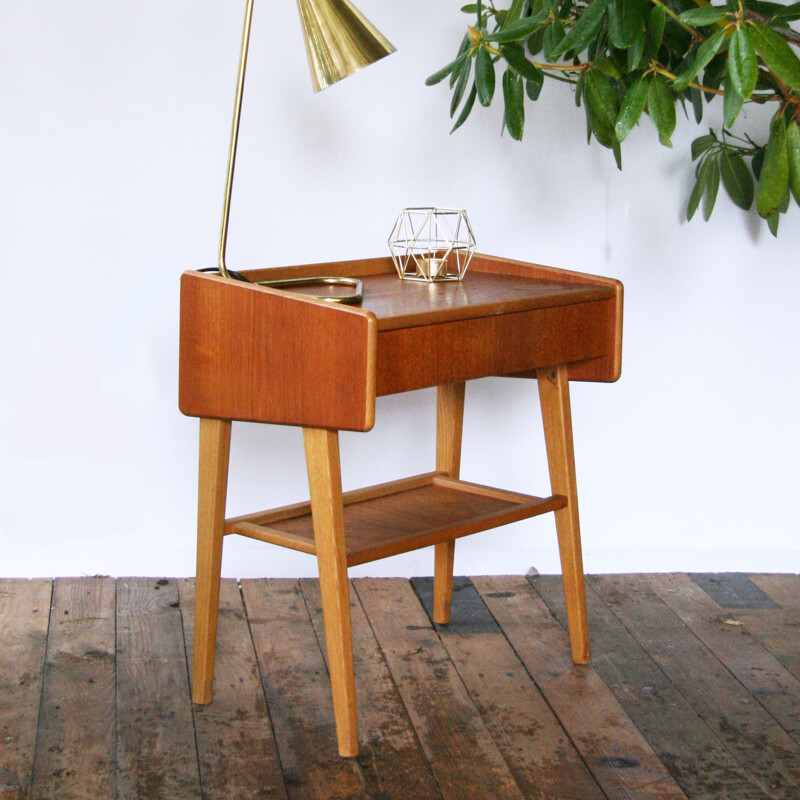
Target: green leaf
(439, 76)
(655, 33)
(742, 63)
(514, 100)
(712, 187)
(636, 50)
(697, 193)
(471, 8)
(706, 15)
(784, 206)
(757, 162)
(463, 51)
(515, 11)
(584, 30)
(773, 220)
(484, 76)
(624, 22)
(696, 96)
(788, 13)
(661, 107)
(701, 144)
(607, 66)
(465, 111)
(617, 150)
(579, 87)
(521, 29)
(514, 54)
(553, 37)
(775, 172)
(704, 54)
(632, 108)
(793, 158)
(732, 105)
(713, 74)
(462, 72)
(533, 86)
(602, 106)
(736, 178)
(777, 55)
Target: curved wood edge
(233, 366)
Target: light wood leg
(215, 444)
(554, 397)
(449, 426)
(325, 486)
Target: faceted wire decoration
(432, 244)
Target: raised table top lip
(491, 286)
(405, 304)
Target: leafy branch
(630, 58)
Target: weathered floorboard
(156, 752)
(620, 758)
(24, 616)
(391, 758)
(760, 745)
(683, 694)
(462, 754)
(784, 590)
(76, 748)
(729, 639)
(298, 692)
(691, 751)
(732, 590)
(539, 754)
(235, 745)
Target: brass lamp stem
(237, 113)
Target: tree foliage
(629, 58)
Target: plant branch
(671, 13)
(672, 76)
(563, 67)
(787, 33)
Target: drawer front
(431, 355)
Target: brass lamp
(339, 40)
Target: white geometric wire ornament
(432, 244)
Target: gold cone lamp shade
(339, 40)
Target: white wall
(114, 121)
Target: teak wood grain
(379, 522)
(267, 355)
(252, 353)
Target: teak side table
(261, 354)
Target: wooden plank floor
(693, 691)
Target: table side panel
(255, 354)
(503, 344)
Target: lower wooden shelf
(399, 516)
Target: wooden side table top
(269, 355)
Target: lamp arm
(237, 113)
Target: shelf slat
(399, 516)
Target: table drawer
(502, 344)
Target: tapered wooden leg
(215, 444)
(554, 397)
(449, 425)
(325, 486)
